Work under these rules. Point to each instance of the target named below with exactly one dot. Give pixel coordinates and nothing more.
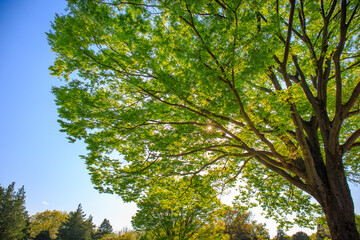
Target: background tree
(76, 226)
(175, 211)
(261, 232)
(214, 229)
(217, 88)
(124, 234)
(300, 236)
(357, 221)
(240, 226)
(281, 235)
(322, 230)
(13, 215)
(104, 229)
(43, 235)
(47, 221)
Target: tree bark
(341, 221)
(338, 206)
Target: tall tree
(217, 88)
(13, 215)
(76, 226)
(49, 221)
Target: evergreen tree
(300, 236)
(76, 226)
(13, 215)
(104, 229)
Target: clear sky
(33, 152)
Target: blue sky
(33, 152)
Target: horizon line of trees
(17, 224)
(155, 219)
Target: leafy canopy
(263, 91)
(49, 221)
(176, 210)
(239, 225)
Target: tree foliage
(104, 229)
(175, 211)
(43, 235)
(49, 221)
(218, 88)
(300, 236)
(76, 226)
(281, 235)
(13, 215)
(124, 234)
(357, 221)
(213, 230)
(240, 226)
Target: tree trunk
(341, 222)
(338, 206)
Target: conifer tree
(300, 236)
(13, 215)
(76, 226)
(104, 229)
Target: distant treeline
(155, 219)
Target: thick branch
(221, 5)
(352, 15)
(289, 31)
(352, 113)
(274, 79)
(338, 79)
(293, 180)
(303, 83)
(352, 100)
(210, 149)
(349, 142)
(253, 128)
